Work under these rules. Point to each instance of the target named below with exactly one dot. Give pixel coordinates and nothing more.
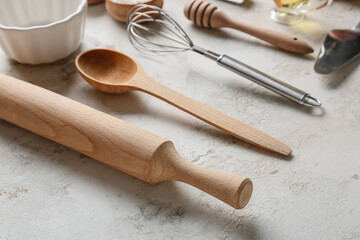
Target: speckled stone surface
(48, 191)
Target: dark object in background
(339, 48)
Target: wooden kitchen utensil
(120, 9)
(205, 14)
(90, 2)
(112, 141)
(113, 72)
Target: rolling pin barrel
(112, 141)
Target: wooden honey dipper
(112, 141)
(205, 14)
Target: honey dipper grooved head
(199, 12)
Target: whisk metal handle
(263, 79)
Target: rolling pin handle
(167, 164)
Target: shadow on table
(241, 88)
(96, 10)
(57, 77)
(277, 100)
(166, 202)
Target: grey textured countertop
(48, 191)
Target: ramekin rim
(80, 8)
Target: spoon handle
(212, 116)
(277, 39)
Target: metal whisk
(152, 31)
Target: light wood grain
(207, 15)
(120, 11)
(90, 2)
(113, 72)
(112, 141)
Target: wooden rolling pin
(112, 141)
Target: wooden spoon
(119, 11)
(207, 15)
(113, 72)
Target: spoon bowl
(114, 72)
(106, 70)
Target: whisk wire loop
(150, 35)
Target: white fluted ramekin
(41, 31)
